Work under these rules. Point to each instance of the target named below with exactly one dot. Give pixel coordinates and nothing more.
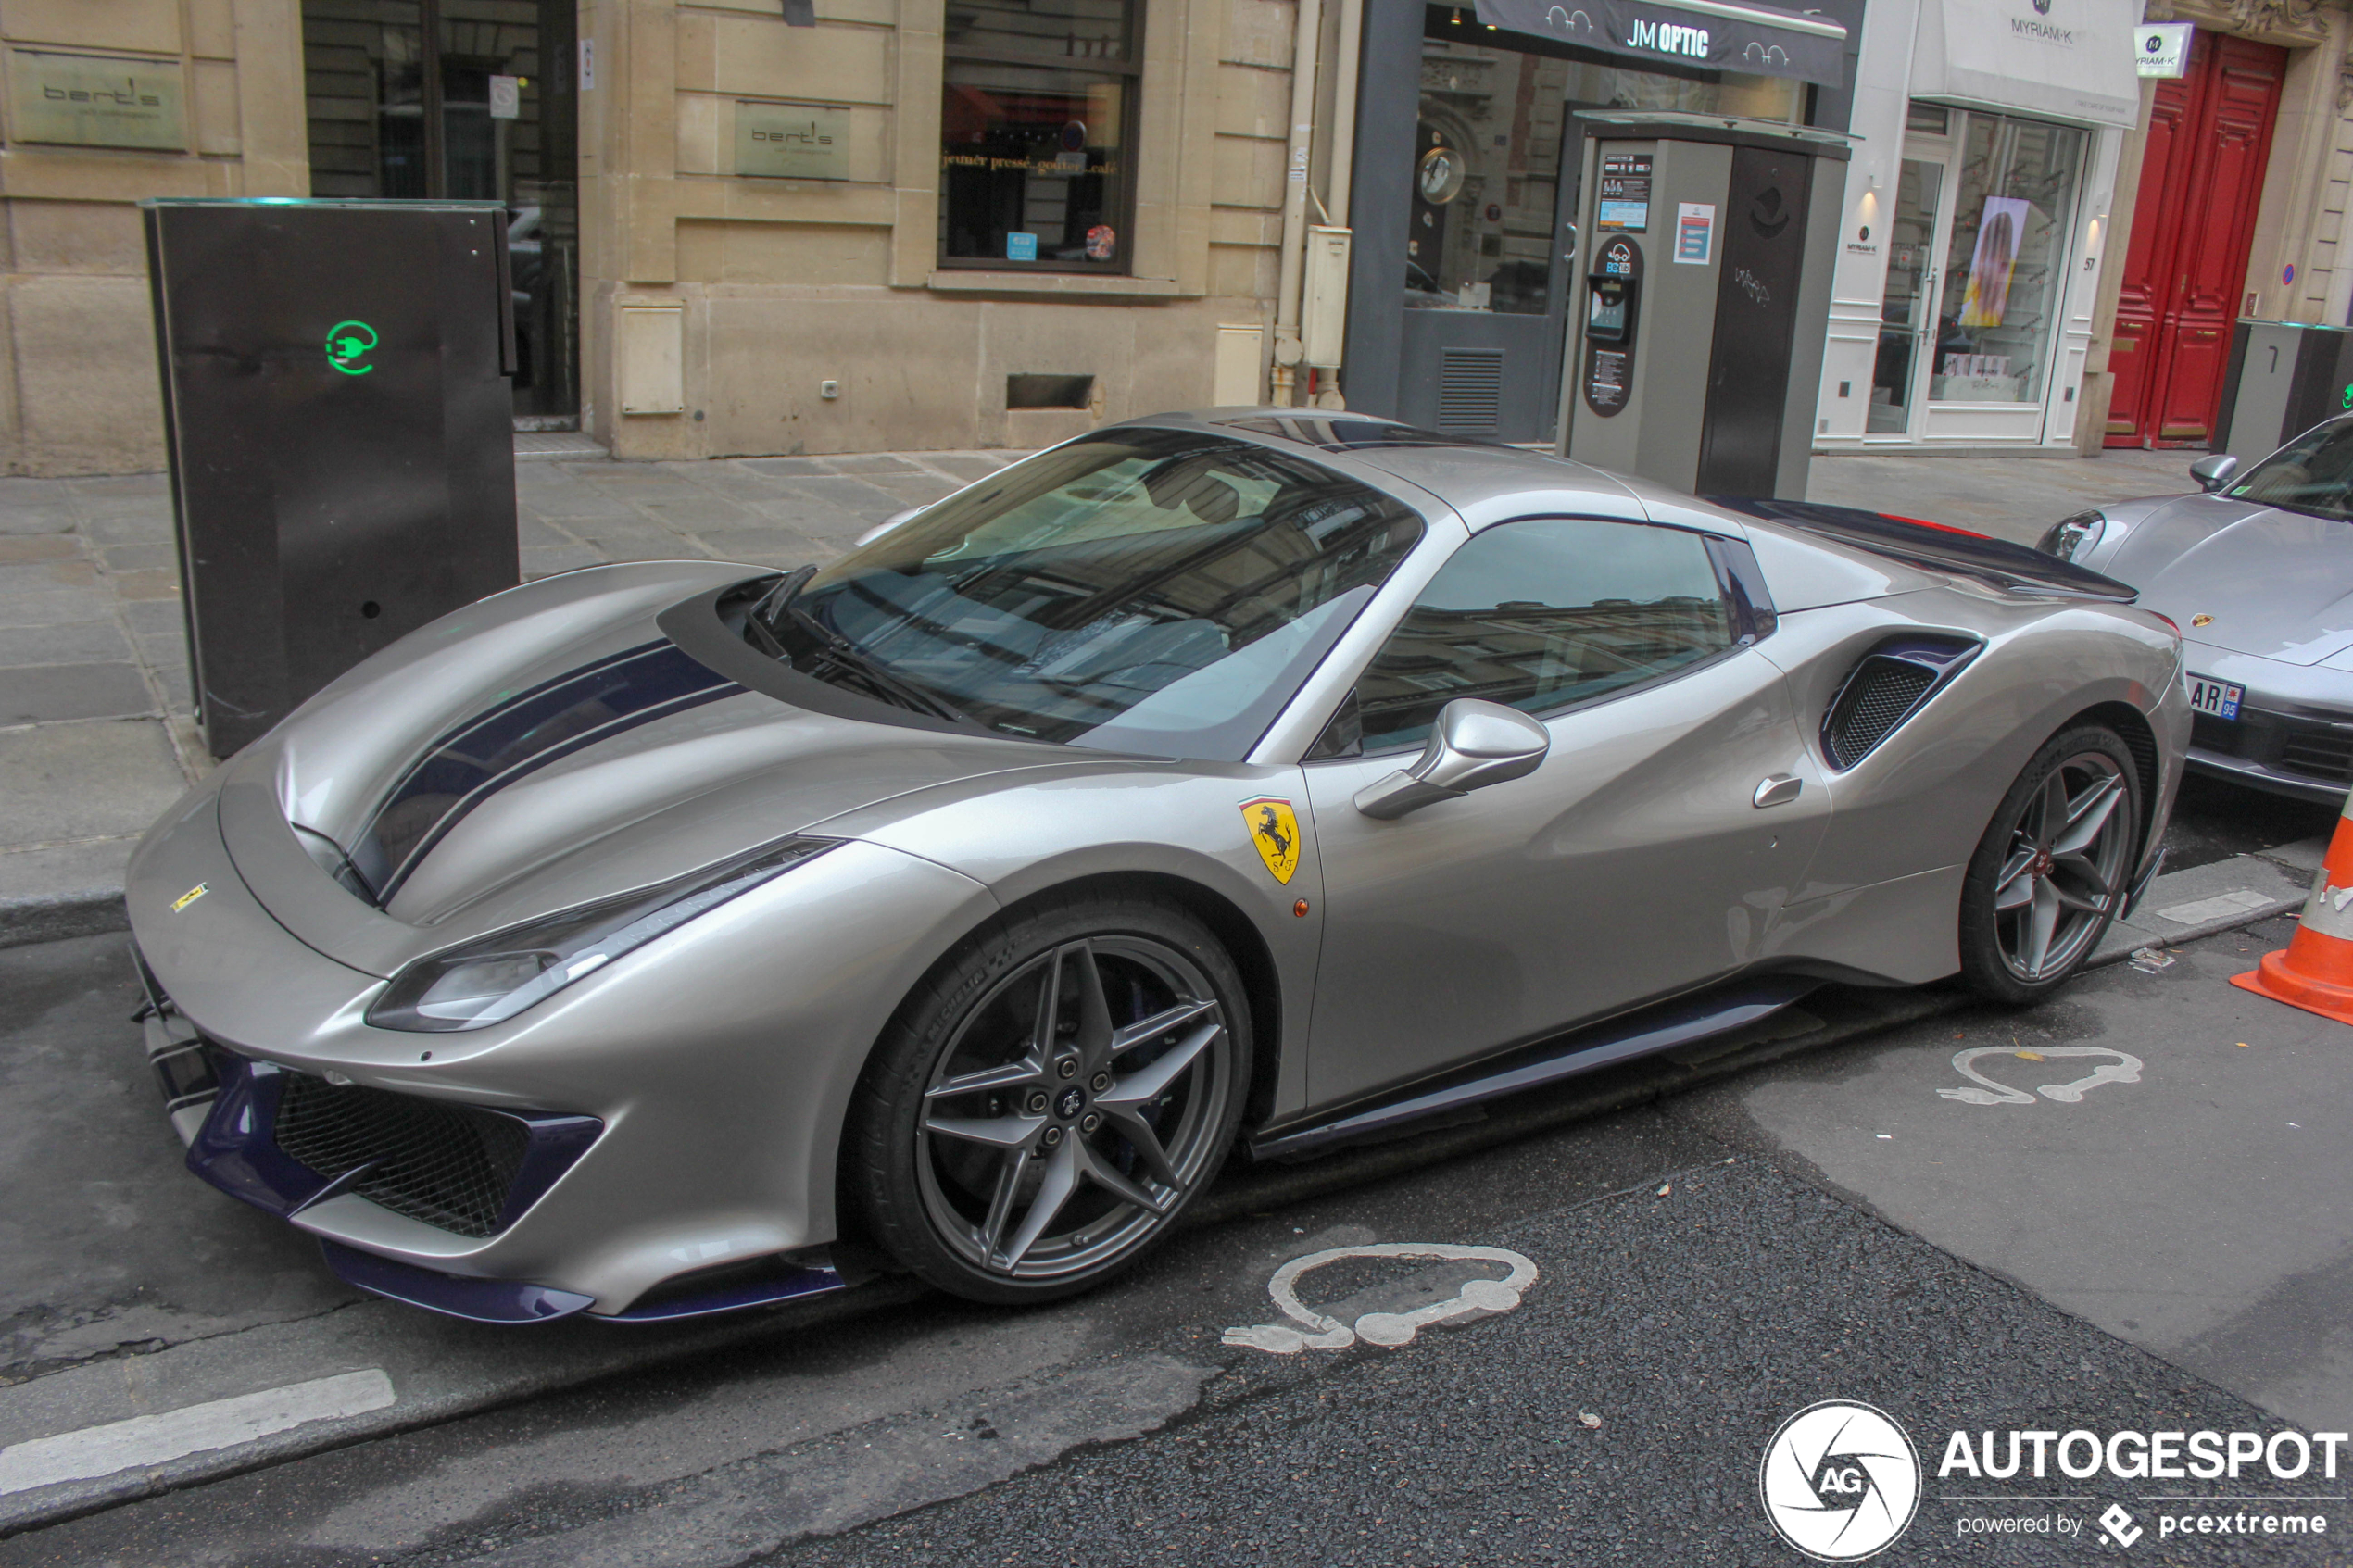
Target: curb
(52, 917)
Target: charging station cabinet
(1704, 300)
(340, 432)
(2285, 378)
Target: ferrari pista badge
(1273, 828)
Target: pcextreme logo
(1840, 1481)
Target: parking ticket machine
(1698, 353)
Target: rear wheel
(2050, 873)
(1050, 1099)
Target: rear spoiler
(2014, 568)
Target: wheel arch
(1234, 930)
(2133, 727)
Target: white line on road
(217, 1424)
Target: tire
(983, 1105)
(2053, 867)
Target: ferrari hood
(591, 758)
(2276, 584)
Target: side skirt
(1660, 1027)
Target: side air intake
(1887, 687)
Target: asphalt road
(2153, 1254)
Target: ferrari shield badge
(198, 891)
(1274, 829)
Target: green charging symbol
(2348, 397)
(348, 346)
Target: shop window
(2004, 282)
(1036, 132)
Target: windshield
(2313, 473)
(1137, 590)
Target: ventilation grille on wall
(1470, 391)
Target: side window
(1542, 614)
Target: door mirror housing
(1473, 745)
(2214, 471)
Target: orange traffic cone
(2315, 973)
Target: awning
(1716, 34)
(2057, 59)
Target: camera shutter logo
(1840, 1481)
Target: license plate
(2209, 695)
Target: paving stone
(38, 693)
(916, 489)
(148, 585)
(75, 642)
(18, 521)
(532, 533)
(128, 530)
(637, 541)
(89, 780)
(765, 547)
(964, 466)
(787, 468)
(695, 511)
(854, 497)
(155, 617)
(54, 606)
(17, 549)
(160, 556)
(120, 484)
(48, 576)
(729, 477)
(546, 563)
(577, 503)
(870, 462)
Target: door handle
(1779, 789)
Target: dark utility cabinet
(340, 431)
(2285, 378)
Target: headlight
(493, 978)
(2070, 538)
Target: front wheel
(2051, 871)
(1050, 1099)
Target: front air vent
(1887, 687)
(447, 1165)
(1470, 392)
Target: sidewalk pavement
(96, 735)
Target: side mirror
(2214, 471)
(1473, 745)
(885, 526)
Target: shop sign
(2164, 48)
(792, 141)
(95, 100)
(1720, 34)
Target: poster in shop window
(2001, 229)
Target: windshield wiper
(845, 656)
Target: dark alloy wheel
(2051, 872)
(1051, 1099)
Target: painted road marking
(218, 1423)
(2223, 906)
(2124, 1068)
(1381, 1328)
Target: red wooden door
(2201, 180)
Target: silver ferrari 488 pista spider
(629, 942)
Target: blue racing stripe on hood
(521, 734)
